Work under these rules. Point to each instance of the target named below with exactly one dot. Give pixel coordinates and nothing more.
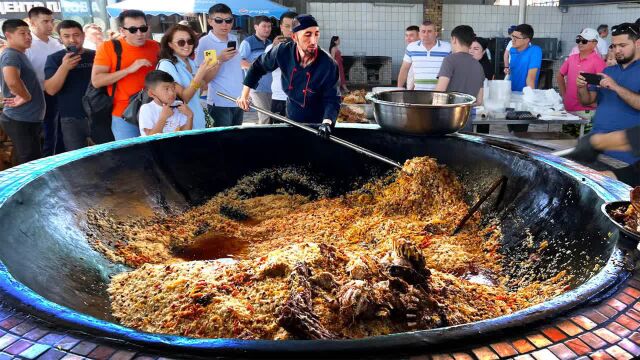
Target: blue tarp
(190, 7)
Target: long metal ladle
(333, 138)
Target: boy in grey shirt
(460, 72)
(24, 104)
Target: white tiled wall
(375, 29)
(579, 17)
(491, 21)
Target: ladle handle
(333, 138)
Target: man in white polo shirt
(425, 56)
(43, 45)
(229, 78)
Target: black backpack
(98, 105)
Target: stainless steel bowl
(421, 112)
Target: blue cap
(303, 21)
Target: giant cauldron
(49, 269)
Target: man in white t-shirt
(425, 56)
(163, 114)
(411, 34)
(278, 97)
(43, 45)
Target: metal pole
(335, 139)
(522, 12)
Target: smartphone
(231, 44)
(72, 49)
(211, 56)
(592, 79)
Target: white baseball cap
(589, 34)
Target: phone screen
(231, 44)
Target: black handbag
(136, 101)
(98, 105)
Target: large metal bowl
(421, 112)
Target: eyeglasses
(625, 28)
(183, 42)
(134, 29)
(582, 41)
(517, 37)
(220, 20)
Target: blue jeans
(225, 116)
(122, 129)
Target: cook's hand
(584, 152)
(243, 102)
(581, 81)
(608, 82)
(324, 130)
(227, 54)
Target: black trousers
(53, 143)
(25, 137)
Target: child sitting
(163, 114)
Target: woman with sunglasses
(176, 49)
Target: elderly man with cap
(586, 60)
(309, 77)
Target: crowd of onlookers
(46, 81)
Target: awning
(190, 7)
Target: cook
(309, 77)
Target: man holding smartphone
(229, 77)
(67, 75)
(618, 94)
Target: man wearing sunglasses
(618, 95)
(309, 77)
(229, 77)
(587, 60)
(139, 57)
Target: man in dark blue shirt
(67, 74)
(618, 94)
(309, 77)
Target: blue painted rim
(14, 179)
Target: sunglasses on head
(134, 29)
(183, 42)
(626, 28)
(220, 20)
(582, 41)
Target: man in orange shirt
(139, 57)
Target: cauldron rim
(32, 302)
